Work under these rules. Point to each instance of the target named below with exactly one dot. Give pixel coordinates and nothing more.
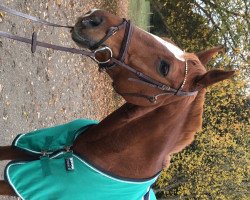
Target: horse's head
(165, 69)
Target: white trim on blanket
(106, 175)
(29, 150)
(32, 151)
(9, 180)
(113, 178)
(85, 163)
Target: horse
(164, 89)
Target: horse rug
(60, 174)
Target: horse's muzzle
(80, 40)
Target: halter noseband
(111, 31)
(142, 78)
(124, 46)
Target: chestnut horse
(164, 89)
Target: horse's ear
(212, 76)
(205, 56)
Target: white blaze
(178, 53)
(91, 12)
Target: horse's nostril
(94, 22)
(87, 23)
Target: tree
(216, 164)
(198, 24)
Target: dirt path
(49, 87)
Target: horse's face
(93, 26)
(161, 60)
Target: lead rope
(35, 19)
(34, 43)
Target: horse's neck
(133, 141)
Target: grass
(139, 13)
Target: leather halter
(142, 78)
(110, 62)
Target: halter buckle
(165, 87)
(153, 99)
(103, 55)
(44, 153)
(113, 30)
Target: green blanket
(62, 175)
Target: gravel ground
(49, 87)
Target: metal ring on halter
(103, 49)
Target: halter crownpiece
(185, 78)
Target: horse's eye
(164, 68)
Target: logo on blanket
(69, 163)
